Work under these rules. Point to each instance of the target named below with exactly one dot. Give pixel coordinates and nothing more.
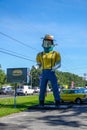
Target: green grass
(22, 103)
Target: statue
(49, 60)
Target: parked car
(83, 90)
(6, 90)
(73, 95)
(36, 90)
(0, 90)
(24, 90)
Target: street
(74, 118)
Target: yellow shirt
(48, 60)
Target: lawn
(9, 105)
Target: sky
(23, 23)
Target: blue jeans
(49, 75)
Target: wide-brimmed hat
(48, 37)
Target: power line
(22, 56)
(12, 52)
(2, 51)
(20, 42)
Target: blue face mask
(47, 50)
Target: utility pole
(85, 77)
(31, 80)
(30, 76)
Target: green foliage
(67, 78)
(2, 77)
(35, 73)
(64, 78)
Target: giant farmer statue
(49, 60)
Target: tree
(64, 78)
(2, 77)
(35, 75)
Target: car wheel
(26, 93)
(78, 101)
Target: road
(5, 96)
(74, 118)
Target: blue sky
(29, 20)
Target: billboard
(18, 75)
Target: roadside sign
(17, 75)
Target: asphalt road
(74, 118)
(4, 96)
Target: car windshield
(2, 88)
(21, 87)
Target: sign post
(15, 95)
(17, 75)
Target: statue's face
(47, 50)
(47, 43)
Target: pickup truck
(24, 90)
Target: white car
(36, 90)
(24, 90)
(7, 90)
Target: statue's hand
(58, 64)
(38, 65)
